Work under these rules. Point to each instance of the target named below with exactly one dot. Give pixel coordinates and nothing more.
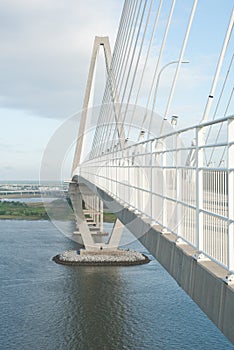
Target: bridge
(172, 188)
(29, 190)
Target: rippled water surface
(49, 306)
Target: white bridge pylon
(182, 181)
(88, 207)
(172, 188)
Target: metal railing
(183, 181)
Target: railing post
(101, 215)
(230, 168)
(178, 184)
(199, 187)
(116, 172)
(164, 189)
(151, 180)
(139, 193)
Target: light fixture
(142, 134)
(174, 120)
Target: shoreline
(15, 210)
(36, 218)
(26, 218)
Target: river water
(51, 307)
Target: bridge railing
(182, 181)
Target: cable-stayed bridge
(172, 188)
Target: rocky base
(112, 258)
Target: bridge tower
(88, 206)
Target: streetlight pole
(157, 85)
(180, 58)
(158, 79)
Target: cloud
(46, 49)
(8, 168)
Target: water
(49, 306)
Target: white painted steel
(218, 68)
(180, 59)
(166, 180)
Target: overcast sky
(45, 53)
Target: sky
(45, 52)
(46, 47)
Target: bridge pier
(90, 220)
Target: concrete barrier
(201, 279)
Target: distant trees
(12, 209)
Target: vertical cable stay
(219, 132)
(111, 130)
(110, 106)
(122, 120)
(161, 50)
(217, 106)
(228, 104)
(139, 53)
(157, 65)
(138, 57)
(118, 47)
(117, 53)
(106, 112)
(110, 110)
(127, 43)
(128, 53)
(225, 148)
(223, 87)
(218, 68)
(216, 77)
(179, 64)
(145, 64)
(125, 76)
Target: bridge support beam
(93, 241)
(203, 280)
(76, 199)
(116, 234)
